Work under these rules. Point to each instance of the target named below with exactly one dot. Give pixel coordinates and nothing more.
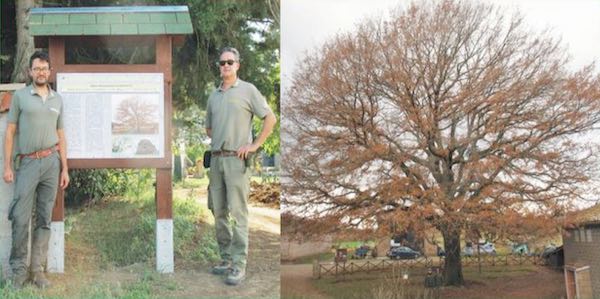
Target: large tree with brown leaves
(446, 115)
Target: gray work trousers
(36, 182)
(229, 188)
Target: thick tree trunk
(453, 268)
(25, 45)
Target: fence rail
(502, 260)
(322, 269)
(343, 268)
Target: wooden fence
(343, 268)
(322, 269)
(502, 260)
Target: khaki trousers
(36, 183)
(229, 188)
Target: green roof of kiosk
(113, 20)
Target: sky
(306, 24)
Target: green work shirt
(36, 120)
(229, 115)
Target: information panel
(113, 115)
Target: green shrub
(207, 250)
(90, 185)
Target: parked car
(361, 252)
(402, 253)
(484, 248)
(488, 248)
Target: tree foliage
(446, 115)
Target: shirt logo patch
(54, 110)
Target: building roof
(590, 215)
(117, 20)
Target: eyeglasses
(40, 69)
(223, 62)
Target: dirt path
(296, 282)
(86, 276)
(262, 278)
(261, 218)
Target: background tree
(24, 47)
(16, 17)
(448, 116)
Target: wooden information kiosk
(95, 96)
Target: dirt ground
(297, 282)
(189, 280)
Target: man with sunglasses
(36, 118)
(228, 122)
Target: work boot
(221, 268)
(235, 276)
(40, 280)
(18, 280)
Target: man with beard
(229, 115)
(36, 118)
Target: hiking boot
(221, 268)
(235, 276)
(40, 280)
(18, 280)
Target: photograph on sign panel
(135, 115)
(135, 125)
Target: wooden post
(165, 261)
(56, 245)
(164, 222)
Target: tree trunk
(452, 266)
(25, 45)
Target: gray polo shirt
(36, 120)
(229, 115)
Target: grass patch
(7, 292)
(193, 182)
(363, 285)
(106, 225)
(487, 273)
(382, 284)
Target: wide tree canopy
(446, 115)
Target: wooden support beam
(164, 194)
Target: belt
(41, 153)
(223, 153)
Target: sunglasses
(223, 62)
